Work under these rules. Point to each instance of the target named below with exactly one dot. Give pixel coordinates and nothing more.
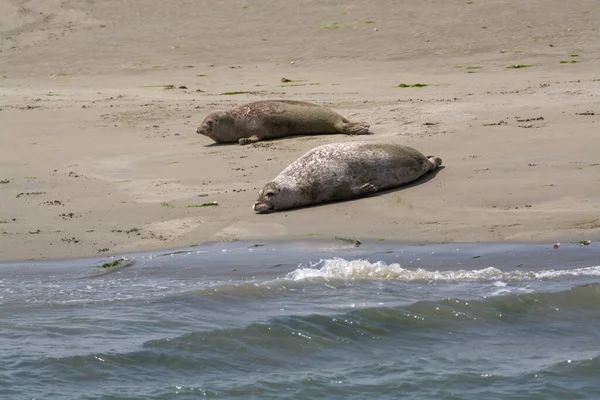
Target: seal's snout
(199, 130)
(261, 208)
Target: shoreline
(317, 245)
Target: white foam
(338, 268)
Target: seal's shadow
(220, 144)
(421, 180)
(285, 138)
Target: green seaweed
(201, 76)
(573, 55)
(330, 25)
(519, 66)
(203, 205)
(256, 245)
(165, 204)
(240, 92)
(569, 62)
(355, 242)
(369, 21)
(112, 264)
(583, 242)
(468, 67)
(404, 85)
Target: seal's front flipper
(365, 189)
(248, 140)
(354, 128)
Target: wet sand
(99, 155)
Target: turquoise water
(303, 321)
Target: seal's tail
(355, 128)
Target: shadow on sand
(284, 138)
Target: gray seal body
(270, 119)
(343, 171)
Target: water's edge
(382, 250)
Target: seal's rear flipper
(248, 140)
(435, 160)
(354, 128)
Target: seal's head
(268, 198)
(210, 124)
(278, 195)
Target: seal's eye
(268, 195)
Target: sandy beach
(99, 102)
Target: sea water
(306, 321)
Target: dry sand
(97, 156)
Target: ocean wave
(339, 268)
(427, 315)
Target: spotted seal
(270, 119)
(343, 171)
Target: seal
(343, 171)
(270, 119)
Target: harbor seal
(343, 171)
(270, 119)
